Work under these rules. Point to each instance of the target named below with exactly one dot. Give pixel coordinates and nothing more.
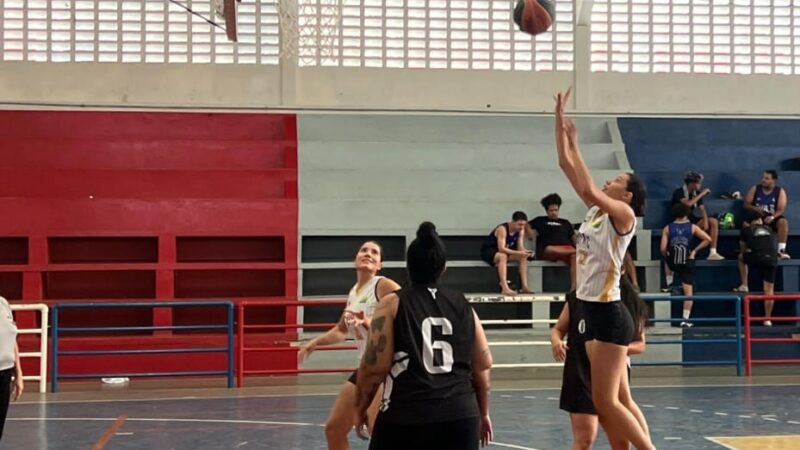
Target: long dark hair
(639, 190)
(636, 306)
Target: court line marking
(166, 419)
(106, 437)
(334, 394)
(518, 447)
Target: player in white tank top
(600, 252)
(354, 322)
(602, 241)
(361, 302)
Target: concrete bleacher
(383, 175)
(732, 154)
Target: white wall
(288, 87)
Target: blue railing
(736, 320)
(57, 330)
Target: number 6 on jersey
(429, 345)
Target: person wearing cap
(11, 385)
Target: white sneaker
(687, 324)
(741, 288)
(715, 257)
(783, 255)
(767, 323)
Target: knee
(713, 222)
(501, 258)
(336, 428)
(584, 441)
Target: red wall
(147, 205)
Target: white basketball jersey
(362, 300)
(600, 252)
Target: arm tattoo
(377, 324)
(371, 354)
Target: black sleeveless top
(431, 376)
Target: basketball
(534, 16)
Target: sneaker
(767, 323)
(666, 289)
(741, 289)
(783, 255)
(687, 324)
(715, 257)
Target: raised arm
(573, 166)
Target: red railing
(748, 335)
(243, 329)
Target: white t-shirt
(362, 300)
(600, 252)
(8, 335)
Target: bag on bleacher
(726, 221)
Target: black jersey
(762, 243)
(431, 375)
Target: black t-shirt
(680, 194)
(431, 376)
(552, 232)
(762, 242)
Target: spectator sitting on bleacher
(555, 237)
(690, 195)
(504, 243)
(760, 250)
(769, 201)
(676, 247)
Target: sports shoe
(666, 289)
(741, 289)
(687, 324)
(767, 323)
(783, 255)
(715, 257)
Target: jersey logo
(582, 326)
(400, 365)
(433, 292)
(364, 299)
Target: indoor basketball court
(191, 188)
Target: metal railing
(735, 320)
(43, 340)
(749, 340)
(58, 330)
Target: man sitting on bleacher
(504, 244)
(768, 201)
(690, 195)
(555, 237)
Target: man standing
(759, 250)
